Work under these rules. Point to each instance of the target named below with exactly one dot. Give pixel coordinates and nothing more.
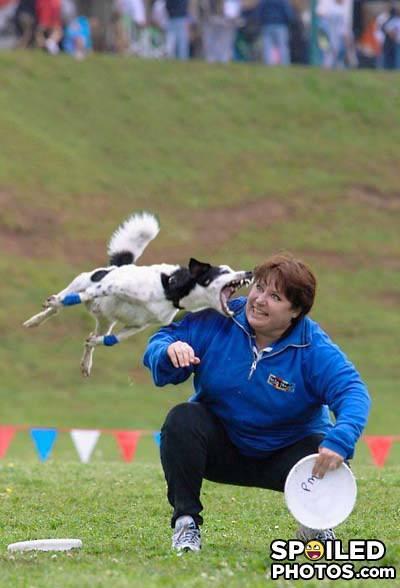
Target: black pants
(195, 446)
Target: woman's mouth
(258, 312)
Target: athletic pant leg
(190, 437)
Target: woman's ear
(296, 313)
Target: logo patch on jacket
(280, 383)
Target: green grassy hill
(238, 162)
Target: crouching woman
(265, 380)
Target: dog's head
(213, 286)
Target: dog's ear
(164, 281)
(196, 268)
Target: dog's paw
(34, 321)
(85, 369)
(51, 302)
(87, 361)
(93, 341)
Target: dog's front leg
(71, 298)
(87, 357)
(109, 340)
(41, 317)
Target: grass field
(237, 162)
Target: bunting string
(85, 441)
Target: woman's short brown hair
(290, 276)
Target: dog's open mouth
(228, 291)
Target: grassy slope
(312, 154)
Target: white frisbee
(320, 503)
(46, 545)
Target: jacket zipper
(259, 354)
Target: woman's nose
(262, 299)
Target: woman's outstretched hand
(182, 355)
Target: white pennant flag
(84, 441)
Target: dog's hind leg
(109, 339)
(87, 357)
(41, 317)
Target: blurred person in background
(154, 38)
(265, 381)
(134, 22)
(335, 36)
(337, 31)
(220, 20)
(298, 35)
(49, 25)
(247, 42)
(391, 43)
(77, 40)
(276, 16)
(120, 29)
(177, 31)
(25, 23)
(380, 35)
(369, 44)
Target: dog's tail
(131, 238)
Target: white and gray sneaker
(186, 535)
(306, 534)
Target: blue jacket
(271, 398)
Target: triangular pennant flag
(44, 440)
(6, 434)
(157, 437)
(127, 442)
(84, 441)
(379, 448)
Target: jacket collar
(299, 336)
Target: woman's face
(268, 310)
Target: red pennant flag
(127, 441)
(379, 448)
(6, 434)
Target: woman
(263, 380)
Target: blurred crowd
(274, 32)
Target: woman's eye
(275, 296)
(259, 288)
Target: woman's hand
(182, 355)
(326, 460)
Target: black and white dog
(138, 296)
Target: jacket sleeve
(336, 382)
(157, 360)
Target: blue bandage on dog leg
(71, 299)
(110, 340)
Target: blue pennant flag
(156, 437)
(44, 440)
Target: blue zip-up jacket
(271, 398)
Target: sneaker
(306, 534)
(186, 535)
